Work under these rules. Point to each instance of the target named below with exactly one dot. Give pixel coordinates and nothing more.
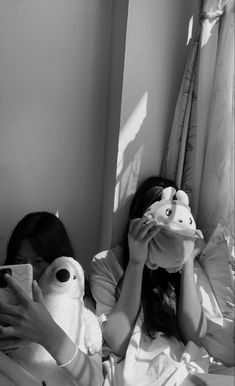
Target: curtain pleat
(199, 156)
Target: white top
(106, 271)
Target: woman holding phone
(38, 239)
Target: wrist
(54, 340)
(188, 266)
(61, 348)
(136, 264)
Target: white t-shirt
(167, 354)
(107, 269)
(104, 275)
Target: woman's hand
(29, 320)
(141, 231)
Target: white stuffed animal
(177, 232)
(62, 286)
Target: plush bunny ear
(168, 193)
(182, 196)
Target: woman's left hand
(29, 319)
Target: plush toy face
(174, 243)
(173, 216)
(63, 275)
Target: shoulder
(105, 271)
(109, 262)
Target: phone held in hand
(23, 273)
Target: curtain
(200, 152)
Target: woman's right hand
(141, 231)
(29, 319)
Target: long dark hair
(46, 234)
(160, 289)
(48, 237)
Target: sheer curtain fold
(216, 202)
(200, 151)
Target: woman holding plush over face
(38, 239)
(151, 317)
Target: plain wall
(117, 61)
(87, 96)
(156, 50)
(54, 73)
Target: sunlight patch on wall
(127, 184)
(190, 30)
(130, 130)
(208, 26)
(129, 160)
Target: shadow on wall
(130, 153)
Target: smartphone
(23, 273)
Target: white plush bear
(62, 286)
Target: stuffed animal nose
(63, 275)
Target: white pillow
(216, 259)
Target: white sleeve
(104, 275)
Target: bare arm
(86, 369)
(191, 319)
(120, 322)
(31, 321)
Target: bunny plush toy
(177, 233)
